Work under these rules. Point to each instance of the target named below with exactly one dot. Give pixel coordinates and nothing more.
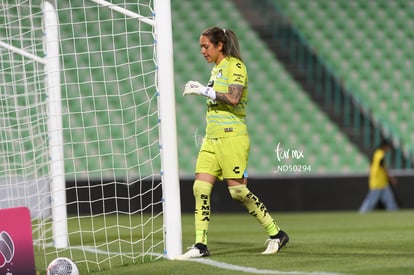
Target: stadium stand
(85, 97)
(369, 45)
(281, 115)
(279, 111)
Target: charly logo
(6, 248)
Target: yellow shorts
(224, 158)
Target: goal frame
(168, 130)
(162, 25)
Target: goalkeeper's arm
(233, 96)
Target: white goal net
(80, 119)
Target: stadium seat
(376, 52)
(279, 110)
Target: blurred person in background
(379, 182)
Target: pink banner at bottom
(16, 242)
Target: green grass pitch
(321, 243)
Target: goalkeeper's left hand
(196, 88)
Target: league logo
(16, 242)
(6, 248)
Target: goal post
(55, 128)
(172, 207)
(89, 138)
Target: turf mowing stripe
(255, 270)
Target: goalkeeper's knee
(239, 192)
(202, 188)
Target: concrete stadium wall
(290, 193)
(324, 193)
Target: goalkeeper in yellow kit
(225, 149)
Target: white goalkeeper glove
(196, 88)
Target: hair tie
(224, 30)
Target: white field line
(256, 270)
(221, 265)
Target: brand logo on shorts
(236, 170)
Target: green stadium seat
(279, 110)
(381, 31)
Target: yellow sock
(255, 207)
(202, 191)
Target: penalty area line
(256, 270)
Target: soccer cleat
(274, 245)
(196, 251)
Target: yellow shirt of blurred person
(378, 176)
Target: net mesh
(110, 130)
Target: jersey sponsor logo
(259, 205)
(205, 207)
(228, 130)
(238, 78)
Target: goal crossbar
(124, 11)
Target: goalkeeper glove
(196, 88)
